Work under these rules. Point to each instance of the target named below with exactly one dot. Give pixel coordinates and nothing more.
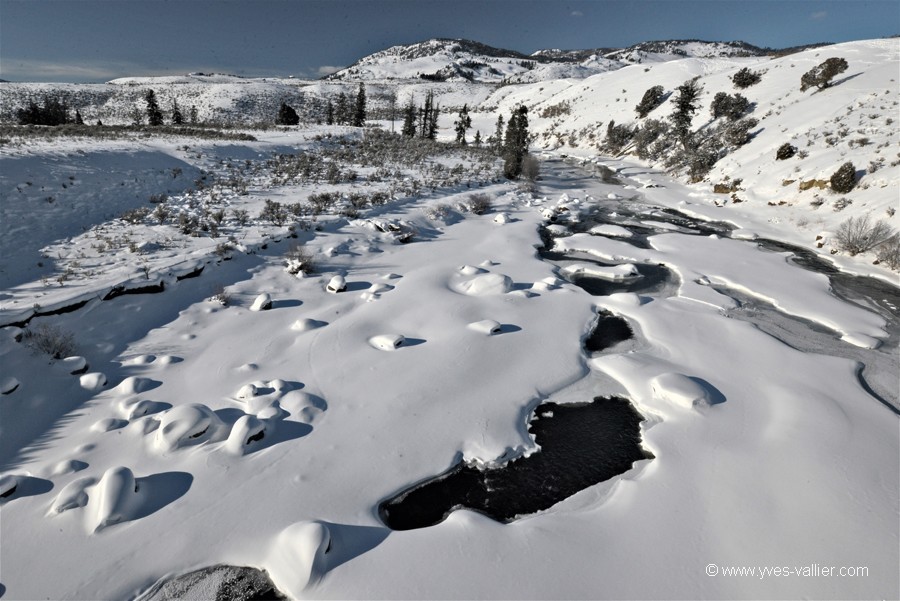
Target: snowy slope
(854, 120)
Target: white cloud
(576, 13)
(327, 70)
(819, 15)
(51, 71)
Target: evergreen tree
(329, 112)
(425, 115)
(515, 143)
(477, 140)
(652, 98)
(287, 115)
(78, 119)
(497, 138)
(193, 115)
(359, 110)
(463, 123)
(342, 110)
(154, 115)
(686, 104)
(433, 122)
(391, 98)
(821, 75)
(409, 119)
(745, 78)
(177, 117)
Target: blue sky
(90, 40)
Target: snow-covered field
(234, 412)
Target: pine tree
(821, 75)
(391, 98)
(359, 110)
(463, 123)
(515, 143)
(177, 117)
(329, 112)
(497, 138)
(652, 98)
(193, 115)
(686, 104)
(425, 115)
(409, 119)
(477, 140)
(342, 110)
(433, 122)
(78, 119)
(287, 115)
(154, 115)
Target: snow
(209, 433)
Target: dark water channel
(582, 444)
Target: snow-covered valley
(298, 328)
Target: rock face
(217, 582)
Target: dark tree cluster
(785, 151)
(154, 115)
(844, 179)
(421, 122)
(617, 137)
(52, 111)
(686, 104)
(344, 112)
(726, 105)
(652, 98)
(745, 78)
(287, 115)
(515, 142)
(821, 75)
(462, 123)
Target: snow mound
(626, 271)
(93, 381)
(72, 496)
(471, 270)
(246, 430)
(263, 302)
(115, 498)
(305, 324)
(8, 385)
(484, 284)
(297, 560)
(337, 284)
(387, 342)
(486, 326)
(608, 229)
(108, 424)
(73, 365)
(186, 425)
(133, 408)
(680, 390)
(140, 360)
(247, 391)
(8, 485)
(133, 385)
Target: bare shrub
(478, 203)
(51, 340)
(858, 234)
(889, 252)
(220, 295)
(299, 259)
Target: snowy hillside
(854, 120)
